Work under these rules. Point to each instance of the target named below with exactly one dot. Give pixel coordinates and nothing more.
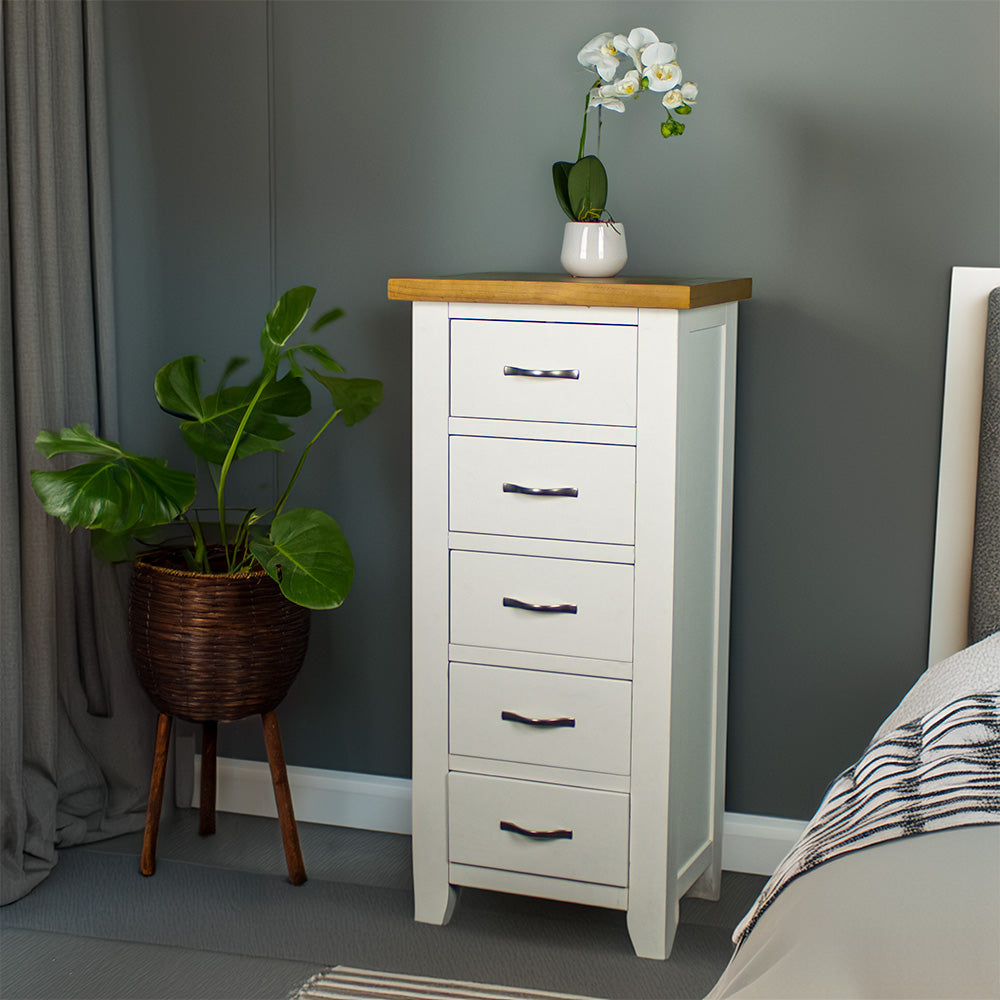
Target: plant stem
(230, 455)
(200, 549)
(241, 540)
(302, 461)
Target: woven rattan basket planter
(210, 646)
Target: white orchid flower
(673, 99)
(632, 46)
(601, 55)
(629, 85)
(610, 95)
(657, 53)
(608, 101)
(663, 76)
(689, 91)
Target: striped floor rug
(342, 983)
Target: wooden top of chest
(563, 290)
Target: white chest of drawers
(572, 509)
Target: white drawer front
(604, 358)
(596, 851)
(489, 475)
(601, 594)
(559, 720)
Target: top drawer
(511, 371)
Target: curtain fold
(76, 730)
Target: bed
(893, 889)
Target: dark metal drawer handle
(535, 491)
(542, 373)
(529, 721)
(557, 609)
(536, 834)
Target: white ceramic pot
(593, 249)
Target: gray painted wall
(843, 154)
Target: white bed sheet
(917, 917)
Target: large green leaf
(117, 492)
(211, 439)
(354, 397)
(77, 440)
(288, 312)
(308, 555)
(315, 352)
(212, 421)
(212, 436)
(282, 321)
(318, 353)
(328, 317)
(178, 387)
(588, 188)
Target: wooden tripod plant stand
(211, 648)
(206, 821)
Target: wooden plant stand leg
(209, 745)
(147, 861)
(283, 799)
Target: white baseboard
(335, 798)
(756, 844)
(753, 844)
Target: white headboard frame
(956, 508)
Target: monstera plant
(124, 498)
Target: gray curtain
(76, 730)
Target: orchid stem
(586, 108)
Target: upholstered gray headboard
(984, 601)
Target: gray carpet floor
(219, 919)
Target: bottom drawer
(538, 828)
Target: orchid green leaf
(587, 185)
(560, 179)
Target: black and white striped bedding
(939, 771)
